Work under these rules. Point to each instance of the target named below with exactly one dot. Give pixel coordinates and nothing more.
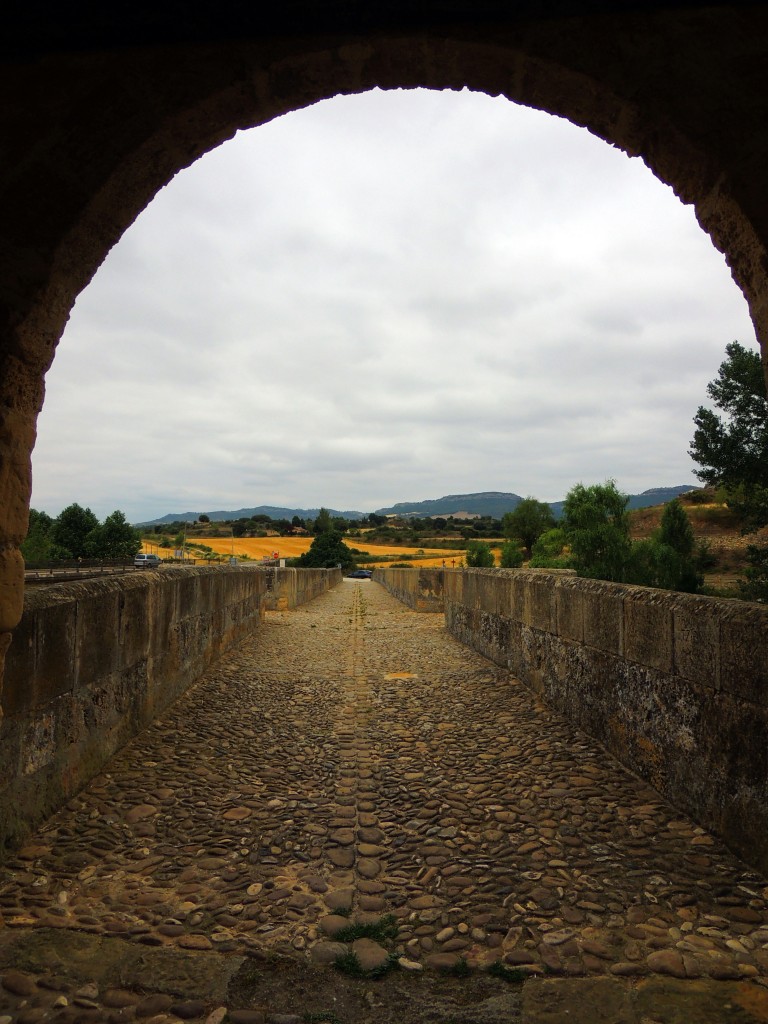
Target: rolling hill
(480, 503)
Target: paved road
(352, 761)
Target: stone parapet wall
(93, 663)
(421, 589)
(674, 685)
(289, 588)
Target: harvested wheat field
(257, 548)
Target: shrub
(511, 555)
(755, 588)
(597, 527)
(479, 555)
(551, 551)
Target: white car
(142, 561)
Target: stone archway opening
(291, 269)
(124, 122)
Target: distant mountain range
(273, 511)
(481, 503)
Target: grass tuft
(390, 964)
(513, 975)
(349, 963)
(460, 969)
(383, 930)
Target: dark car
(359, 574)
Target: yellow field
(290, 547)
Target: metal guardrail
(88, 568)
(73, 569)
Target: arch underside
(95, 124)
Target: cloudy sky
(383, 298)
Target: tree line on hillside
(77, 533)
(328, 548)
(592, 537)
(731, 447)
(413, 532)
(259, 525)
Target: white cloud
(387, 297)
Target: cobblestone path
(352, 761)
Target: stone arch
(96, 133)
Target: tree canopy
(326, 552)
(527, 522)
(77, 533)
(667, 559)
(732, 449)
(323, 522)
(511, 555)
(71, 528)
(479, 555)
(114, 538)
(596, 524)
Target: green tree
(596, 524)
(654, 564)
(71, 529)
(326, 552)
(732, 449)
(114, 538)
(667, 560)
(204, 518)
(550, 551)
(38, 546)
(676, 538)
(676, 530)
(511, 555)
(479, 555)
(323, 522)
(527, 522)
(755, 587)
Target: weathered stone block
(744, 651)
(513, 659)
(538, 603)
(55, 663)
(533, 644)
(98, 626)
(569, 610)
(20, 668)
(134, 625)
(162, 613)
(696, 639)
(517, 597)
(453, 586)
(648, 628)
(603, 609)
(723, 776)
(188, 598)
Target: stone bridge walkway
(349, 762)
